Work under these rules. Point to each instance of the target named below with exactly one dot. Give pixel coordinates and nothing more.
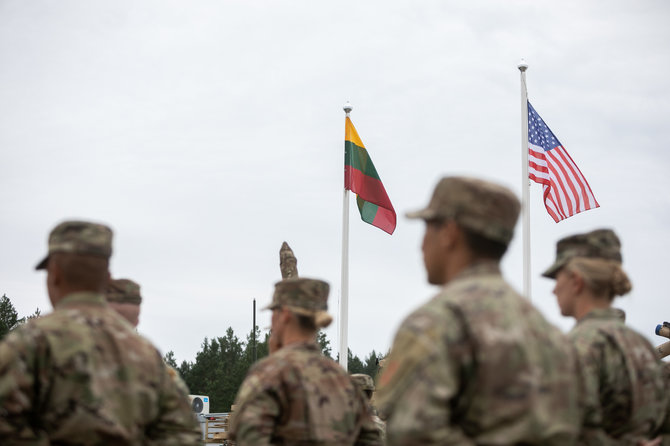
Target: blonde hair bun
(620, 283)
(602, 276)
(322, 319)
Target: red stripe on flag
(370, 189)
(547, 201)
(554, 201)
(537, 168)
(559, 195)
(385, 220)
(538, 171)
(539, 180)
(566, 187)
(575, 181)
(585, 189)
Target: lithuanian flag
(360, 177)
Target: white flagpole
(344, 301)
(525, 182)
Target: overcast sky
(205, 133)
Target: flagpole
(344, 300)
(525, 182)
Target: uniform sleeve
(592, 431)
(420, 381)
(176, 424)
(664, 430)
(257, 410)
(18, 356)
(369, 434)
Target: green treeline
(9, 317)
(222, 363)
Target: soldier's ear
(54, 271)
(285, 315)
(450, 234)
(577, 282)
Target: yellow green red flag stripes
(360, 177)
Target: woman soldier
(623, 389)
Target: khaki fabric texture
(366, 384)
(363, 381)
(79, 237)
(483, 207)
(82, 376)
(665, 427)
(479, 365)
(297, 396)
(123, 291)
(599, 244)
(623, 386)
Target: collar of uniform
(87, 297)
(602, 314)
(480, 268)
(309, 345)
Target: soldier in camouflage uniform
(366, 384)
(81, 375)
(123, 296)
(623, 388)
(664, 431)
(297, 396)
(477, 364)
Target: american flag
(566, 191)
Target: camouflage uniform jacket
(479, 365)
(297, 396)
(82, 376)
(381, 427)
(623, 388)
(665, 428)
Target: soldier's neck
(458, 262)
(587, 302)
(64, 290)
(294, 335)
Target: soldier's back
(624, 389)
(81, 375)
(298, 396)
(522, 385)
(481, 356)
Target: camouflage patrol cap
(483, 207)
(79, 237)
(302, 295)
(598, 244)
(363, 381)
(123, 291)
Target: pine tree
(354, 363)
(223, 362)
(9, 318)
(324, 342)
(170, 360)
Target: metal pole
(525, 182)
(344, 301)
(253, 336)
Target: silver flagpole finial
(347, 108)
(523, 66)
